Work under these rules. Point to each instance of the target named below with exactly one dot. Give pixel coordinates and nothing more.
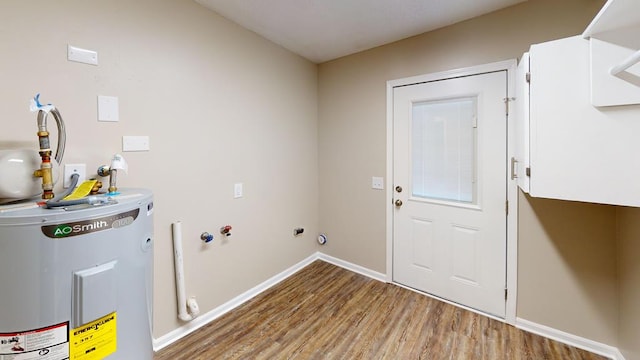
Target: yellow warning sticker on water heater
(95, 340)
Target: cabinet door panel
(522, 124)
(578, 151)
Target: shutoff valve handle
(206, 237)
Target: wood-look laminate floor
(326, 312)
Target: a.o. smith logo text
(91, 225)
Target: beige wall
(220, 104)
(352, 143)
(629, 272)
(567, 268)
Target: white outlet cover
(70, 169)
(135, 143)
(108, 108)
(82, 55)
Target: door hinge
(528, 77)
(506, 207)
(506, 292)
(527, 171)
(506, 103)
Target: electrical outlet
(70, 169)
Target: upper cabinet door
(520, 164)
(578, 151)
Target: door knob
(398, 202)
(399, 188)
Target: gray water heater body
(78, 283)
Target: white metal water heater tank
(77, 283)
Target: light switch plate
(135, 143)
(108, 108)
(377, 183)
(237, 190)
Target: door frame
(512, 187)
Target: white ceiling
(322, 30)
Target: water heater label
(95, 340)
(47, 343)
(91, 225)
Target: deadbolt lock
(399, 188)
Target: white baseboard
(195, 324)
(353, 267)
(570, 339)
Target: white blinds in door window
(443, 149)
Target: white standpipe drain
(192, 307)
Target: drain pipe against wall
(187, 309)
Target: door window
(443, 149)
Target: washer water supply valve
(206, 237)
(226, 230)
(117, 163)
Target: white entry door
(450, 180)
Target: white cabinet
(520, 164)
(573, 150)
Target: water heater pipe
(187, 310)
(45, 171)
